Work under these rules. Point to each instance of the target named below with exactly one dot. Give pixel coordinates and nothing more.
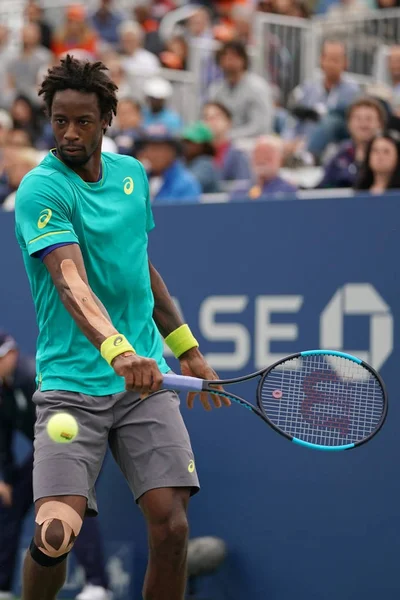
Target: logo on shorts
(118, 341)
(129, 185)
(191, 466)
(44, 218)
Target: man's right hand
(141, 375)
(5, 493)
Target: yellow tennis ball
(62, 428)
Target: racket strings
(323, 399)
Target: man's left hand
(194, 364)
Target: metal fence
(284, 50)
(364, 36)
(288, 49)
(12, 16)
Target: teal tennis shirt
(110, 220)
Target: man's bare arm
(68, 273)
(67, 270)
(165, 313)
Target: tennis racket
(321, 399)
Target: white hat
(157, 87)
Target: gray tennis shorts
(148, 439)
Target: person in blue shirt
(266, 162)
(156, 113)
(170, 181)
(105, 21)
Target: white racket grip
(182, 383)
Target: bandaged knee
(70, 521)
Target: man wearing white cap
(158, 91)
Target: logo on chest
(128, 185)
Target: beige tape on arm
(83, 297)
(69, 519)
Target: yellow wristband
(114, 346)
(181, 340)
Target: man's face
(30, 35)
(129, 42)
(266, 160)
(333, 60)
(364, 123)
(394, 63)
(160, 156)
(77, 126)
(231, 63)
(198, 23)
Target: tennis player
(82, 219)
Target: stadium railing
(296, 43)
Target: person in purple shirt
(266, 162)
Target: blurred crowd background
(221, 101)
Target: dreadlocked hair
(84, 76)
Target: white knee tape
(68, 517)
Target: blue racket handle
(182, 383)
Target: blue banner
(257, 281)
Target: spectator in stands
(199, 26)
(158, 91)
(76, 33)
(23, 70)
(381, 168)
(170, 181)
(152, 41)
(25, 116)
(382, 4)
(198, 152)
(199, 30)
(106, 21)
(319, 106)
(175, 55)
(6, 124)
(6, 55)
(266, 162)
(232, 162)
(136, 60)
(34, 14)
(247, 96)
(366, 118)
(118, 75)
(23, 161)
(339, 12)
(128, 126)
(159, 8)
(394, 68)
(19, 138)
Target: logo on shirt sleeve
(129, 185)
(44, 218)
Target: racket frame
(207, 386)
